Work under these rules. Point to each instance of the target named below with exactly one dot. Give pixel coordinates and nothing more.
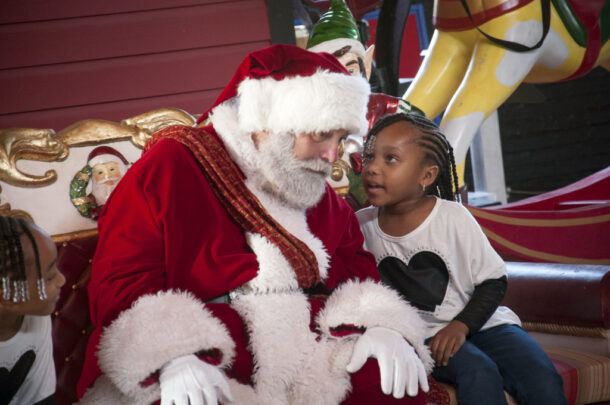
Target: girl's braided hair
(436, 148)
(12, 265)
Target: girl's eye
(112, 169)
(391, 158)
(100, 172)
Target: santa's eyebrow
(352, 62)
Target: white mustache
(105, 181)
(317, 165)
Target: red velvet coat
(163, 229)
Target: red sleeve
(162, 228)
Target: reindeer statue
(482, 50)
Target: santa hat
(335, 30)
(103, 154)
(287, 89)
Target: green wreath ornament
(78, 193)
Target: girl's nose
(369, 167)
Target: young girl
(29, 289)
(434, 253)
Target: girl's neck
(10, 323)
(404, 217)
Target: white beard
(101, 191)
(299, 183)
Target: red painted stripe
(569, 374)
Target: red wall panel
(12, 11)
(127, 78)
(114, 35)
(115, 59)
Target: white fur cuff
(156, 329)
(367, 304)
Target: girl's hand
(448, 341)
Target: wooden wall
(63, 61)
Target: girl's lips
(373, 187)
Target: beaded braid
(42, 293)
(13, 269)
(436, 147)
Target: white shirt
(32, 348)
(453, 235)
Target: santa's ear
(368, 61)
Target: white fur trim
(322, 102)
(367, 304)
(291, 366)
(295, 222)
(156, 329)
(274, 271)
(335, 44)
(107, 157)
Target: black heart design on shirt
(10, 381)
(422, 282)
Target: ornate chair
(49, 200)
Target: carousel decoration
(482, 51)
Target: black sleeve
(484, 301)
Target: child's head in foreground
(30, 282)
(407, 158)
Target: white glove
(189, 380)
(399, 366)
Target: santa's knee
(366, 389)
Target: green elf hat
(335, 30)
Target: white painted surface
(50, 206)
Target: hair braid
(14, 272)
(436, 147)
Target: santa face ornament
(105, 178)
(105, 167)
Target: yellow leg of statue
(494, 73)
(441, 72)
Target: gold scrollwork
(340, 166)
(153, 121)
(31, 144)
(46, 146)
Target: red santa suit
(174, 274)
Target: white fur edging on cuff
(156, 329)
(367, 304)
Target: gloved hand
(189, 379)
(399, 366)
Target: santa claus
(108, 165)
(227, 270)
(92, 185)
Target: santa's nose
(330, 153)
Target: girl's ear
(429, 175)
